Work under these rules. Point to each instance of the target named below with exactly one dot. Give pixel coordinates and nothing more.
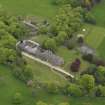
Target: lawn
(43, 73)
(10, 85)
(41, 8)
(101, 49)
(94, 35)
(99, 13)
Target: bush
(90, 70)
(17, 99)
(60, 38)
(100, 91)
(52, 87)
(71, 43)
(23, 73)
(88, 57)
(43, 30)
(74, 90)
(100, 75)
(89, 18)
(98, 62)
(50, 44)
(87, 83)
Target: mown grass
(94, 35)
(41, 8)
(99, 13)
(101, 49)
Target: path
(48, 64)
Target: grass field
(9, 85)
(101, 49)
(99, 13)
(43, 73)
(94, 35)
(41, 8)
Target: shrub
(43, 30)
(87, 83)
(71, 43)
(17, 99)
(60, 38)
(100, 75)
(88, 57)
(98, 62)
(74, 90)
(50, 44)
(89, 18)
(23, 73)
(100, 91)
(52, 87)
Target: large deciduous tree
(68, 20)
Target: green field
(43, 73)
(94, 35)
(41, 8)
(101, 49)
(98, 40)
(99, 13)
(10, 85)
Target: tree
(71, 43)
(100, 91)
(7, 55)
(87, 4)
(68, 20)
(50, 44)
(87, 83)
(74, 90)
(12, 29)
(7, 48)
(60, 38)
(89, 18)
(75, 65)
(100, 75)
(74, 3)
